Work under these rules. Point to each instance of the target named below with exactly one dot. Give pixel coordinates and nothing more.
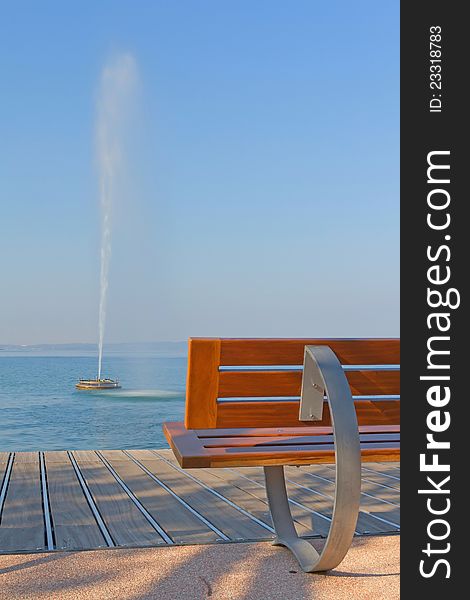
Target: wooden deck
(92, 499)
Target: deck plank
(370, 484)
(316, 524)
(315, 480)
(26, 457)
(22, 524)
(373, 488)
(59, 456)
(252, 497)
(382, 478)
(226, 518)
(389, 468)
(86, 456)
(235, 494)
(178, 522)
(75, 526)
(318, 494)
(318, 497)
(3, 466)
(312, 487)
(144, 454)
(126, 524)
(306, 523)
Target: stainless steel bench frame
(323, 374)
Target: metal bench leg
(340, 535)
(286, 534)
(323, 372)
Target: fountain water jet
(118, 81)
(117, 86)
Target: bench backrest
(235, 383)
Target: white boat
(97, 384)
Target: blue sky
(261, 195)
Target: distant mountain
(172, 348)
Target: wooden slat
(242, 384)
(178, 522)
(226, 518)
(288, 441)
(287, 431)
(241, 352)
(294, 455)
(191, 452)
(202, 383)
(126, 524)
(74, 524)
(4, 457)
(185, 444)
(205, 383)
(22, 523)
(286, 414)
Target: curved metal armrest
(324, 375)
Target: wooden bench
(276, 402)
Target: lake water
(40, 409)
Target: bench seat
(204, 448)
(278, 402)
